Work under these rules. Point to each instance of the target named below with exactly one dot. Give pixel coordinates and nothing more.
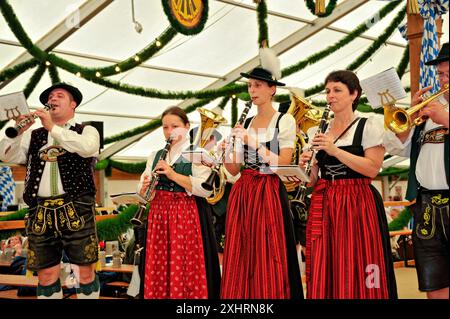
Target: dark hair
(350, 80)
(175, 110)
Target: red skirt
(345, 257)
(255, 258)
(174, 260)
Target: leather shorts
(59, 224)
(430, 239)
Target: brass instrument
(399, 120)
(139, 216)
(298, 203)
(13, 131)
(209, 122)
(306, 116)
(218, 169)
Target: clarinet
(299, 201)
(138, 218)
(231, 140)
(13, 131)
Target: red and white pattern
(175, 263)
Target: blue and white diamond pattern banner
(430, 10)
(7, 187)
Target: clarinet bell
(209, 183)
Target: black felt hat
(442, 56)
(262, 74)
(76, 94)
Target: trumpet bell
(400, 120)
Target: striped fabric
(344, 251)
(430, 10)
(7, 187)
(255, 258)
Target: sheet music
(290, 173)
(12, 105)
(127, 199)
(381, 82)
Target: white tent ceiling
(228, 40)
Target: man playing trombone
(428, 182)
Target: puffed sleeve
(287, 126)
(200, 173)
(394, 146)
(148, 169)
(373, 132)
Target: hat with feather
(269, 70)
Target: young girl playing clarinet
(181, 260)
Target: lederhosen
(431, 215)
(260, 258)
(181, 255)
(64, 222)
(347, 235)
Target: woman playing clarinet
(348, 252)
(260, 258)
(181, 260)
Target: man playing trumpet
(428, 182)
(59, 190)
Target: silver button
(38, 179)
(40, 171)
(35, 187)
(34, 195)
(42, 163)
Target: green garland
(223, 102)
(18, 69)
(404, 61)
(261, 10)
(329, 9)
(360, 29)
(179, 27)
(367, 54)
(111, 228)
(16, 27)
(151, 126)
(54, 75)
(171, 95)
(132, 168)
(34, 80)
(401, 220)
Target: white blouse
(286, 134)
(199, 172)
(372, 134)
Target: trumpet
(138, 218)
(231, 140)
(13, 131)
(399, 120)
(299, 201)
